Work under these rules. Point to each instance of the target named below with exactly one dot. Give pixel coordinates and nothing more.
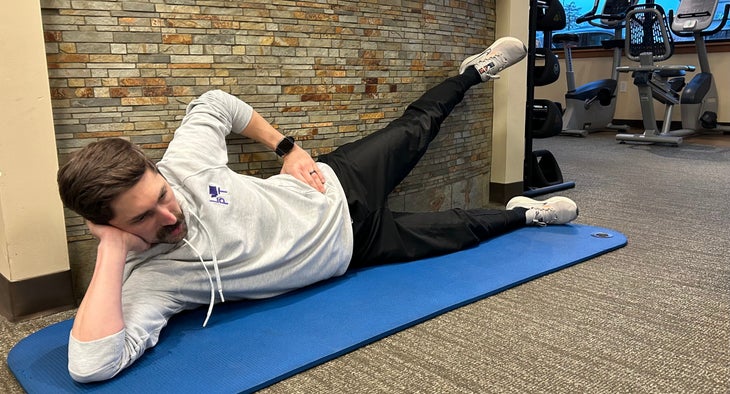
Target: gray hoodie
(247, 238)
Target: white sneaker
(501, 54)
(554, 210)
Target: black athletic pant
(370, 168)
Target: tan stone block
(141, 81)
(314, 152)
(266, 40)
(310, 16)
(101, 92)
(189, 65)
(76, 82)
(182, 91)
(144, 100)
(130, 21)
(68, 58)
(177, 9)
(187, 23)
(93, 82)
(110, 82)
(84, 92)
(291, 109)
(226, 24)
(160, 145)
(418, 65)
(143, 48)
(331, 73)
(181, 59)
(370, 21)
(148, 125)
(106, 59)
(285, 41)
(107, 127)
(67, 47)
(130, 82)
(317, 125)
(261, 156)
(372, 115)
(177, 39)
(347, 129)
(253, 26)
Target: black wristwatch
(285, 146)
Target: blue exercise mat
(250, 345)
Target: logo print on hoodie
(215, 195)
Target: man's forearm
(100, 312)
(260, 130)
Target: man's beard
(165, 234)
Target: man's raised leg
(369, 169)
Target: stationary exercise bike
(699, 98)
(648, 40)
(591, 107)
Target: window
(591, 36)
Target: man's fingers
(315, 179)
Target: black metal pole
(529, 103)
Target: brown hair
(98, 173)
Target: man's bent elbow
(98, 360)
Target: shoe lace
(500, 58)
(545, 216)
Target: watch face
(285, 146)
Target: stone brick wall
(326, 72)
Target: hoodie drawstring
(215, 268)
